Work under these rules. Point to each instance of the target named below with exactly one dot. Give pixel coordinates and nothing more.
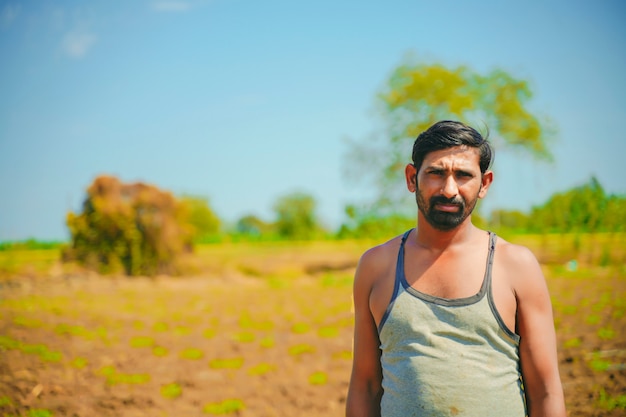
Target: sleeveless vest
(448, 357)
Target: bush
(135, 228)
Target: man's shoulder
(379, 259)
(520, 266)
(383, 250)
(514, 253)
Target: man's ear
(410, 174)
(486, 181)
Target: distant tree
(615, 215)
(586, 208)
(295, 216)
(369, 224)
(417, 94)
(509, 219)
(135, 229)
(252, 226)
(206, 224)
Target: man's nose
(450, 188)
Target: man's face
(449, 183)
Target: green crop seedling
(225, 407)
(171, 391)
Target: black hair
(448, 134)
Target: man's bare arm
(365, 389)
(535, 325)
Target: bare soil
(261, 342)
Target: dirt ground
(253, 343)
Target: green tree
(509, 219)
(252, 226)
(586, 208)
(615, 216)
(363, 223)
(295, 216)
(206, 224)
(418, 94)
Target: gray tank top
(448, 357)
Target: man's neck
(439, 240)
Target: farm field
(258, 330)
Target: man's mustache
(457, 201)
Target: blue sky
(245, 101)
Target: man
(450, 320)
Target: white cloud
(9, 14)
(77, 44)
(171, 6)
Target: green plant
(224, 407)
(8, 343)
(159, 351)
(79, 362)
(209, 333)
(592, 319)
(297, 350)
(27, 322)
(569, 309)
(278, 283)
(160, 327)
(318, 378)
(261, 369)
(247, 322)
(606, 333)
(244, 337)
(610, 403)
(598, 364)
(171, 391)
(331, 280)
(572, 343)
(107, 370)
(192, 353)
(231, 363)
(67, 329)
(50, 356)
(130, 379)
(34, 349)
(267, 342)
(141, 341)
(114, 377)
(328, 332)
(182, 331)
(300, 328)
(80, 331)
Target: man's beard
(444, 220)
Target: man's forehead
(463, 155)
